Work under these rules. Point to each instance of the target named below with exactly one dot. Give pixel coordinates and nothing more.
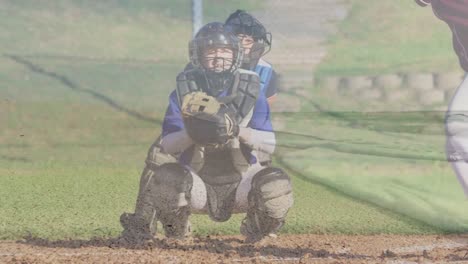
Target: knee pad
(269, 202)
(170, 187)
(272, 192)
(154, 159)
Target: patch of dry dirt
(231, 249)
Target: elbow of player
(269, 144)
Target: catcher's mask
(249, 30)
(217, 52)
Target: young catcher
(216, 123)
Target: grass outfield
(389, 37)
(71, 175)
(145, 29)
(71, 166)
(74, 135)
(395, 160)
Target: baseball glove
(207, 121)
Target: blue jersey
(268, 80)
(173, 122)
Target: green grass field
(389, 37)
(69, 170)
(149, 30)
(83, 88)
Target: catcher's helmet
(243, 23)
(215, 36)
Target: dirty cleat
(136, 230)
(254, 237)
(183, 232)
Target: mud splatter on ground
(232, 249)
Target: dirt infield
(231, 249)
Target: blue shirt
(268, 79)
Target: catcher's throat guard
(240, 97)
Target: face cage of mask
(247, 25)
(220, 64)
(197, 56)
(261, 44)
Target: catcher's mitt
(207, 121)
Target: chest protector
(221, 169)
(241, 96)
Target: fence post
(197, 16)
